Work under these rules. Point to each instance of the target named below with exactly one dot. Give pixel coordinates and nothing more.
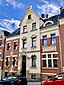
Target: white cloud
(9, 25)
(15, 4)
(48, 8)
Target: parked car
(13, 80)
(57, 79)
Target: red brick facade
(47, 70)
(11, 69)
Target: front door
(24, 65)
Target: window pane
(33, 61)
(53, 38)
(54, 55)
(25, 29)
(34, 26)
(29, 16)
(44, 56)
(7, 61)
(49, 55)
(45, 40)
(49, 63)
(24, 43)
(33, 42)
(8, 46)
(14, 61)
(0, 42)
(44, 63)
(15, 45)
(55, 63)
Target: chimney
(30, 7)
(61, 8)
(43, 15)
(46, 15)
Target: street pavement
(34, 83)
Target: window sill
(33, 30)
(34, 47)
(23, 48)
(29, 20)
(15, 49)
(49, 67)
(24, 32)
(33, 67)
(14, 66)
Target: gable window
(34, 42)
(25, 28)
(53, 39)
(29, 16)
(7, 61)
(15, 45)
(24, 43)
(45, 40)
(8, 46)
(33, 61)
(14, 61)
(34, 26)
(0, 42)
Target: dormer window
(29, 16)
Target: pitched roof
(54, 19)
(6, 33)
(14, 33)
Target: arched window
(48, 23)
(33, 60)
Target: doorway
(24, 65)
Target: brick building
(11, 53)
(3, 35)
(51, 45)
(36, 49)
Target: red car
(57, 79)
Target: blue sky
(12, 11)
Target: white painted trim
(50, 53)
(48, 22)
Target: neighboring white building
(29, 58)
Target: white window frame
(49, 58)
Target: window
(29, 16)
(7, 61)
(50, 60)
(15, 45)
(25, 28)
(45, 40)
(48, 24)
(33, 76)
(34, 61)
(34, 26)
(0, 53)
(0, 42)
(8, 46)
(14, 61)
(34, 42)
(53, 39)
(24, 43)
(54, 60)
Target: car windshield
(10, 78)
